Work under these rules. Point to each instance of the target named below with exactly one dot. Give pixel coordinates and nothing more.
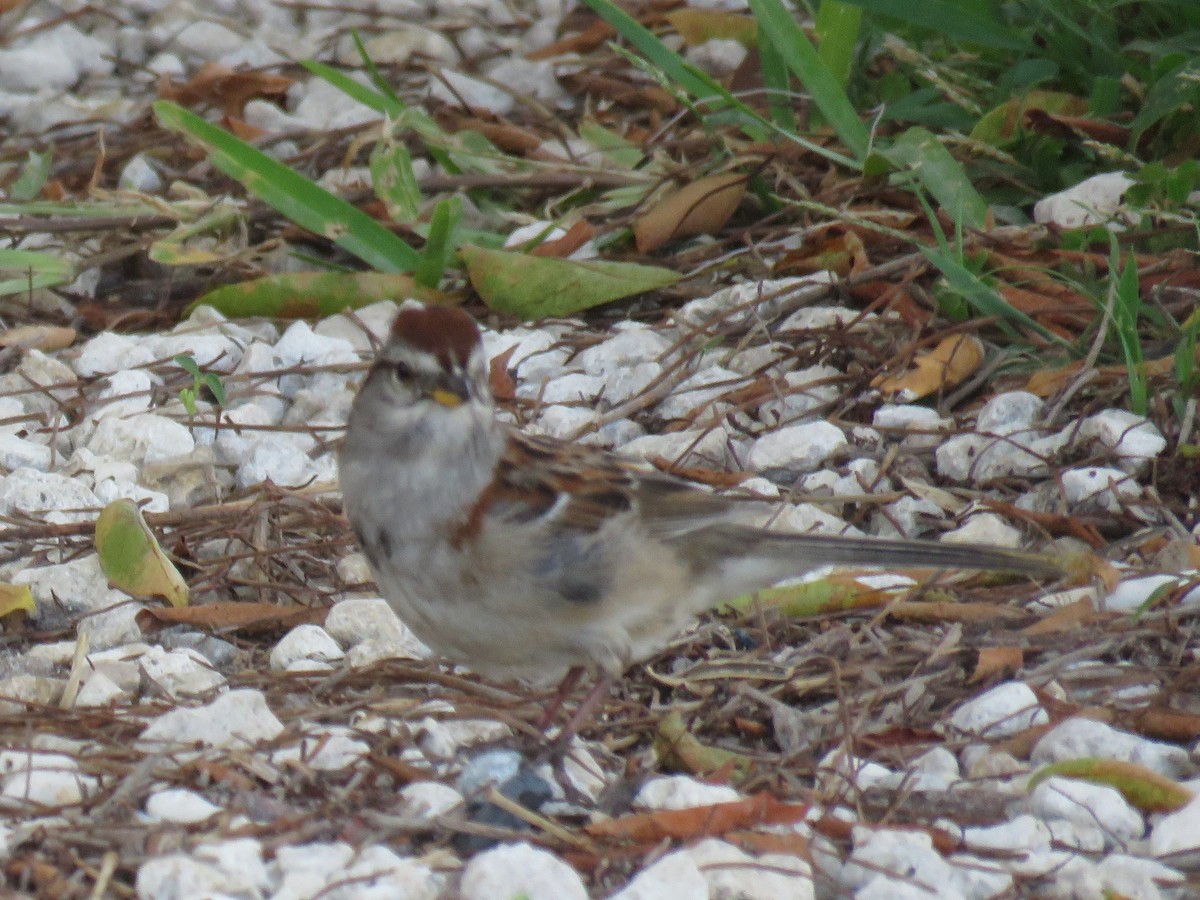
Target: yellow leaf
(949, 363)
(1146, 789)
(131, 557)
(16, 598)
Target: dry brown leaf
(1067, 618)
(41, 337)
(1168, 725)
(225, 88)
(997, 661)
(950, 363)
(939, 611)
(231, 616)
(702, 821)
(843, 254)
(577, 235)
(1048, 382)
(702, 207)
(584, 41)
(503, 386)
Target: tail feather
(822, 549)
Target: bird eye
(402, 371)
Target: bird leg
(583, 712)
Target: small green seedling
(200, 381)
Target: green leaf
(131, 557)
(921, 153)
(955, 21)
(311, 295)
(33, 176)
(440, 242)
(777, 24)
(35, 270)
(188, 364)
(293, 195)
(535, 287)
(837, 35)
(16, 598)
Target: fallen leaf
(1068, 618)
(836, 593)
(40, 337)
(592, 37)
(700, 821)
(131, 557)
(677, 748)
(306, 295)
(533, 287)
(577, 235)
(225, 88)
(943, 611)
(702, 207)
(950, 363)
(997, 661)
(1144, 788)
(231, 616)
(843, 254)
(696, 26)
(16, 598)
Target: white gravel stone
(1132, 593)
(905, 856)
(703, 449)
(179, 805)
(426, 800)
(574, 387)
(47, 495)
(177, 875)
(17, 453)
(841, 773)
(305, 643)
(360, 619)
(1138, 878)
(1097, 488)
(920, 426)
(1078, 738)
(33, 779)
(674, 875)
(753, 300)
(1024, 834)
(804, 392)
(1003, 711)
(179, 673)
(564, 422)
(732, 873)
(1094, 201)
(328, 749)
(279, 461)
(326, 108)
(719, 56)
(18, 690)
(100, 690)
(1132, 438)
(1090, 805)
(56, 58)
(528, 78)
(696, 396)
(1177, 835)
(796, 449)
(110, 352)
(458, 90)
(239, 718)
(633, 343)
(141, 439)
(77, 585)
(681, 792)
(520, 870)
(984, 528)
(907, 517)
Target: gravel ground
(318, 751)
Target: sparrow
(523, 556)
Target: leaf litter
(875, 673)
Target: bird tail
(823, 549)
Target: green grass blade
(377, 78)
(293, 195)
(837, 36)
(440, 242)
(779, 86)
(777, 24)
(374, 99)
(921, 153)
(954, 20)
(37, 270)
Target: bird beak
(452, 392)
(446, 398)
